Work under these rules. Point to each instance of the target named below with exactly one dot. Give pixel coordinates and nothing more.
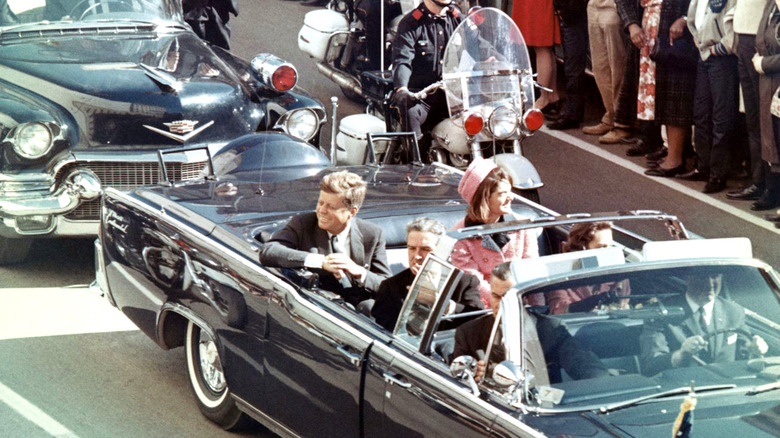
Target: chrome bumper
(80, 185)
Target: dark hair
(581, 234)
(502, 271)
(478, 209)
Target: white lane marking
(668, 182)
(34, 312)
(34, 414)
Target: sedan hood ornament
(180, 130)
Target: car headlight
(503, 122)
(301, 123)
(32, 140)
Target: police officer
(418, 51)
(209, 19)
(370, 13)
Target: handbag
(774, 105)
(682, 55)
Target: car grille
(126, 176)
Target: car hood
(113, 86)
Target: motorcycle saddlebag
(376, 84)
(319, 26)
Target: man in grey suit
(706, 334)
(347, 251)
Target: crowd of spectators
(705, 72)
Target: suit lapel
(356, 249)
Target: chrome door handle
(395, 379)
(354, 358)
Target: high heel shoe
(666, 173)
(552, 109)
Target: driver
(706, 334)
(418, 51)
(348, 252)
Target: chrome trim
(180, 138)
(79, 185)
(264, 65)
(269, 422)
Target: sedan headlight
(301, 123)
(503, 122)
(32, 140)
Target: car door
(417, 395)
(313, 361)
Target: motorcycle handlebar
(422, 94)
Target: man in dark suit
(559, 349)
(422, 236)
(348, 252)
(706, 334)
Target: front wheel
(207, 380)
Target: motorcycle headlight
(503, 122)
(32, 140)
(301, 123)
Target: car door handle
(354, 358)
(395, 379)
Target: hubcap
(210, 366)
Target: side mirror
(506, 374)
(463, 368)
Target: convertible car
(181, 261)
(90, 90)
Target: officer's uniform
(418, 51)
(209, 19)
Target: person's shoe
(564, 123)
(694, 175)
(747, 193)
(666, 173)
(767, 201)
(652, 164)
(552, 110)
(600, 129)
(714, 185)
(772, 217)
(657, 155)
(639, 149)
(616, 135)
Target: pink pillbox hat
(477, 171)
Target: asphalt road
(90, 374)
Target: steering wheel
(126, 6)
(747, 338)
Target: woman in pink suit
(487, 189)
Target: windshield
(625, 334)
(486, 67)
(28, 12)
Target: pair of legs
(547, 74)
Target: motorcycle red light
(533, 119)
(473, 124)
(284, 78)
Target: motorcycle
(337, 38)
(489, 86)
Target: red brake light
(533, 119)
(284, 78)
(473, 124)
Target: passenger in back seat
(487, 188)
(422, 236)
(582, 236)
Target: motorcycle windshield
(486, 68)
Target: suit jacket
(659, 339)
(392, 293)
(560, 349)
(301, 236)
